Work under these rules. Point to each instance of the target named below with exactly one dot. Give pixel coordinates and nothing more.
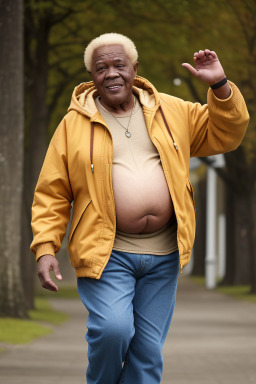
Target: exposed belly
(142, 198)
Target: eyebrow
(102, 60)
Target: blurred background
(41, 61)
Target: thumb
(56, 271)
(191, 69)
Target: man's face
(113, 75)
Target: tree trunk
(240, 262)
(230, 236)
(241, 257)
(199, 249)
(38, 121)
(11, 157)
(253, 241)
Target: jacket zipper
(110, 167)
(170, 189)
(111, 187)
(91, 146)
(159, 151)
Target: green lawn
(63, 293)
(45, 313)
(19, 331)
(240, 292)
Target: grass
(240, 292)
(45, 313)
(21, 331)
(198, 279)
(63, 293)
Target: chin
(115, 99)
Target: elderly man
(121, 155)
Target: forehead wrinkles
(108, 53)
(111, 54)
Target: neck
(119, 109)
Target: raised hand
(46, 264)
(209, 70)
(207, 67)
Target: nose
(112, 73)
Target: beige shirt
(130, 156)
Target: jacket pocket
(78, 213)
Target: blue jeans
(130, 311)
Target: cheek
(97, 79)
(129, 78)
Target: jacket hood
(84, 95)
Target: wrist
(222, 92)
(219, 83)
(45, 249)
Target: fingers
(206, 54)
(200, 57)
(56, 271)
(191, 69)
(46, 281)
(46, 264)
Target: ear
(91, 75)
(135, 67)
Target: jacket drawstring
(91, 146)
(168, 129)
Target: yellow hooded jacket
(78, 169)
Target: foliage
(166, 34)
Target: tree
(42, 19)
(11, 157)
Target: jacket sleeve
(219, 126)
(52, 198)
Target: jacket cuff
(232, 101)
(45, 249)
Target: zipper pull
(175, 146)
(92, 168)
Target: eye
(120, 65)
(100, 69)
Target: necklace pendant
(127, 134)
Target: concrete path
(212, 340)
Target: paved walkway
(212, 341)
